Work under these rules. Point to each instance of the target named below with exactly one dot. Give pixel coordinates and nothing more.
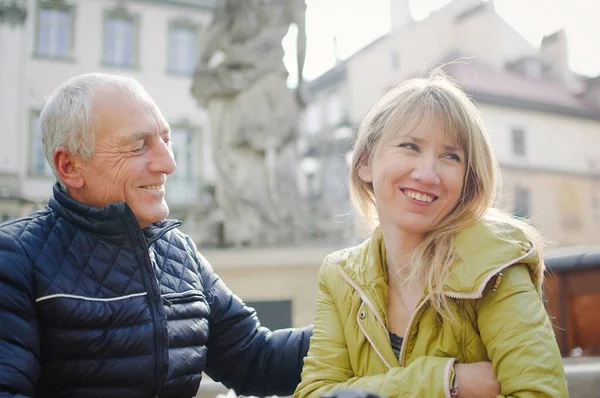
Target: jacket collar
(115, 222)
(482, 251)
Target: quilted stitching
(84, 263)
(179, 272)
(95, 339)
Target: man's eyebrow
(141, 135)
(131, 138)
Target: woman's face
(417, 178)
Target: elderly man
(100, 295)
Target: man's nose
(163, 160)
(426, 171)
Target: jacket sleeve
(519, 339)
(19, 345)
(328, 367)
(244, 356)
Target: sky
(356, 23)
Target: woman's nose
(426, 171)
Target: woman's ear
(67, 167)
(364, 170)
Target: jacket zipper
(369, 304)
(478, 294)
(153, 292)
(406, 334)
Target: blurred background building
(543, 120)
(154, 41)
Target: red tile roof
(485, 82)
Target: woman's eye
(453, 156)
(409, 145)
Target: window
(54, 34)
(182, 49)
(522, 202)
(38, 164)
(335, 110)
(273, 314)
(312, 119)
(181, 143)
(120, 39)
(518, 142)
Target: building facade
(45, 42)
(543, 120)
(154, 41)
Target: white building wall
(562, 159)
(484, 35)
(553, 142)
(12, 40)
(41, 76)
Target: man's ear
(68, 168)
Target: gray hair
(67, 119)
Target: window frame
(55, 6)
(191, 173)
(335, 103)
(121, 13)
(518, 140)
(186, 25)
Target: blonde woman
(445, 298)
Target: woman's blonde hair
(403, 108)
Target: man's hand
(476, 380)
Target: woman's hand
(476, 380)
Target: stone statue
(241, 81)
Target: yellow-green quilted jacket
(495, 291)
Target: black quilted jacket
(93, 306)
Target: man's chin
(147, 219)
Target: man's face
(133, 156)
